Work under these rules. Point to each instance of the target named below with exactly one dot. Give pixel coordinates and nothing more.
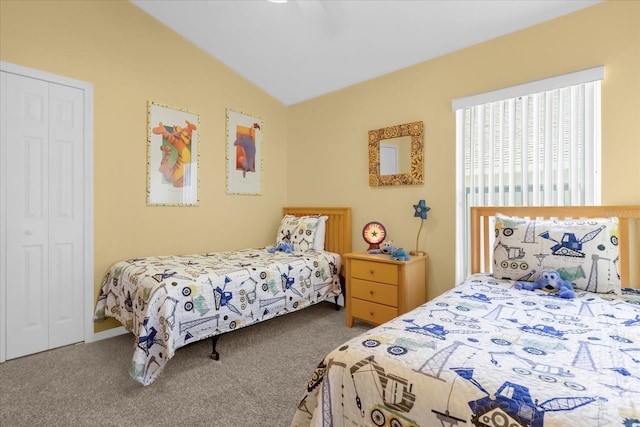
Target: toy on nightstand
(386, 247)
(549, 279)
(400, 254)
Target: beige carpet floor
(258, 381)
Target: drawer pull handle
(371, 314)
(371, 271)
(371, 292)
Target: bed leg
(344, 293)
(214, 354)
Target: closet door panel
(65, 215)
(27, 216)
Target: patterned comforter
(171, 301)
(486, 354)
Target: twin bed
(488, 354)
(168, 302)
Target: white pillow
(318, 239)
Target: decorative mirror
(395, 155)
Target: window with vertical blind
(536, 144)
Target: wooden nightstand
(379, 288)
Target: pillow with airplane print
(583, 251)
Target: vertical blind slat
(481, 163)
(501, 154)
(546, 153)
(535, 169)
(472, 143)
(574, 147)
(491, 193)
(511, 126)
(524, 164)
(560, 169)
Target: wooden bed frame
(629, 238)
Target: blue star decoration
(421, 209)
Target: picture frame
(172, 156)
(243, 153)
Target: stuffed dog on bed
(549, 279)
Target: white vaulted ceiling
(305, 48)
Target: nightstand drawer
(372, 312)
(375, 292)
(376, 271)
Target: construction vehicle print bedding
(511, 358)
(171, 301)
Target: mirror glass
(395, 155)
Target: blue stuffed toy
(549, 279)
(399, 254)
(281, 246)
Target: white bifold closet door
(43, 144)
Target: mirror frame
(416, 175)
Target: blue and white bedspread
(486, 354)
(171, 301)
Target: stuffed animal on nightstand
(399, 254)
(385, 248)
(552, 279)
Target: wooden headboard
(628, 241)
(337, 237)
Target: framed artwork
(244, 161)
(172, 156)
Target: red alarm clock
(374, 233)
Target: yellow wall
(130, 58)
(319, 147)
(331, 131)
